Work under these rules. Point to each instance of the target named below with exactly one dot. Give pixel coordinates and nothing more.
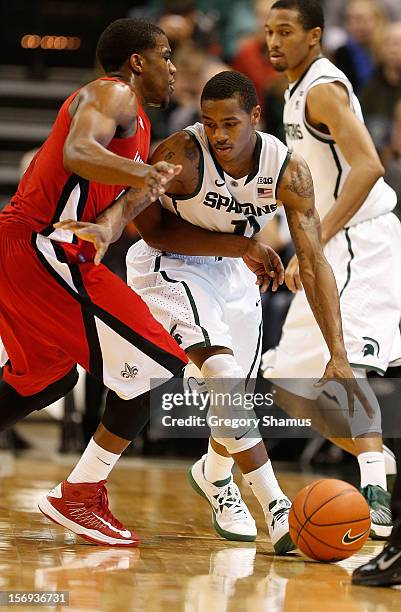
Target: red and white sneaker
(84, 509)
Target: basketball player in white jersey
(362, 237)
(231, 180)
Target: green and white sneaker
(231, 517)
(277, 524)
(380, 514)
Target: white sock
(264, 484)
(95, 464)
(372, 469)
(217, 467)
(389, 461)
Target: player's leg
(224, 377)
(15, 406)
(385, 568)
(80, 502)
(183, 294)
(110, 332)
(286, 364)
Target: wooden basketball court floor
(181, 564)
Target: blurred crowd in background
(363, 38)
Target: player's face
(289, 44)
(229, 128)
(158, 73)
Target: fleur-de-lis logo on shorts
(129, 371)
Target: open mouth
(171, 87)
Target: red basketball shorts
(56, 310)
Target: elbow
(73, 157)
(375, 170)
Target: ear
(255, 116)
(136, 63)
(315, 37)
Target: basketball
(329, 520)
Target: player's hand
(263, 261)
(292, 278)
(99, 235)
(339, 370)
(157, 178)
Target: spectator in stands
(252, 56)
(194, 68)
(380, 95)
(231, 19)
(334, 11)
(364, 21)
(184, 22)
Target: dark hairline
(235, 96)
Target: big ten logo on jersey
(265, 180)
(293, 131)
(230, 205)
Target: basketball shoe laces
(279, 510)
(378, 501)
(98, 503)
(230, 497)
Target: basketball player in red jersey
(57, 308)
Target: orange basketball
(329, 520)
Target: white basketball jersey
(327, 164)
(224, 204)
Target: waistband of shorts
(198, 259)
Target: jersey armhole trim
(201, 172)
(321, 136)
(282, 170)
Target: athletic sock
(217, 467)
(94, 465)
(264, 485)
(389, 461)
(372, 469)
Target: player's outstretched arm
(328, 105)
(98, 111)
(296, 193)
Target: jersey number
(240, 226)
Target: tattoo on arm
(305, 226)
(300, 182)
(169, 156)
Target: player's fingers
(168, 169)
(264, 282)
(278, 267)
(69, 224)
(267, 264)
(86, 235)
(321, 382)
(177, 169)
(297, 282)
(364, 401)
(100, 252)
(351, 401)
(289, 281)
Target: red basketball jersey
(48, 192)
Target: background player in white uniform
(231, 179)
(362, 237)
